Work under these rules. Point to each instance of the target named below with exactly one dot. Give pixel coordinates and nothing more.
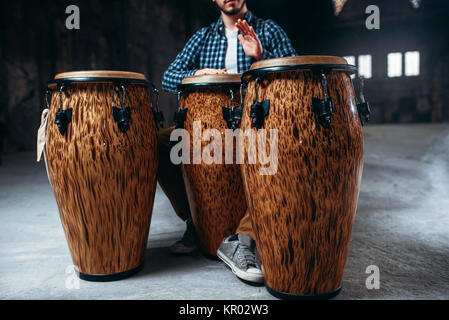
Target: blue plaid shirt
(207, 49)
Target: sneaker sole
(241, 274)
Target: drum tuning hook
(48, 93)
(232, 98)
(180, 115)
(323, 108)
(123, 95)
(242, 85)
(259, 110)
(122, 115)
(158, 116)
(232, 115)
(363, 107)
(62, 117)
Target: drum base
(109, 277)
(290, 296)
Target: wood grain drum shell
(303, 214)
(104, 180)
(215, 191)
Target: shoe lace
(246, 256)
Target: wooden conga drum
(214, 190)
(102, 161)
(303, 214)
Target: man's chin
(233, 11)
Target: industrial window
(412, 63)
(365, 66)
(394, 64)
(350, 60)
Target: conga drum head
(221, 80)
(300, 63)
(98, 76)
(101, 154)
(214, 189)
(303, 209)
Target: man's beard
(232, 12)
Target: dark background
(146, 35)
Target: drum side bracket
(122, 115)
(62, 117)
(233, 115)
(259, 110)
(180, 115)
(363, 107)
(323, 108)
(158, 116)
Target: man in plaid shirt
(205, 52)
(230, 45)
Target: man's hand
(249, 40)
(203, 72)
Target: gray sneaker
(188, 243)
(238, 253)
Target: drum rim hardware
(232, 79)
(225, 85)
(260, 73)
(299, 60)
(180, 115)
(48, 96)
(158, 116)
(233, 115)
(323, 108)
(259, 110)
(363, 107)
(125, 81)
(122, 115)
(63, 117)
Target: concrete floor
(402, 226)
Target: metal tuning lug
(259, 110)
(63, 117)
(180, 118)
(180, 115)
(323, 108)
(62, 120)
(158, 116)
(233, 115)
(363, 107)
(122, 115)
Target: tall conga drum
(101, 156)
(214, 189)
(303, 212)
